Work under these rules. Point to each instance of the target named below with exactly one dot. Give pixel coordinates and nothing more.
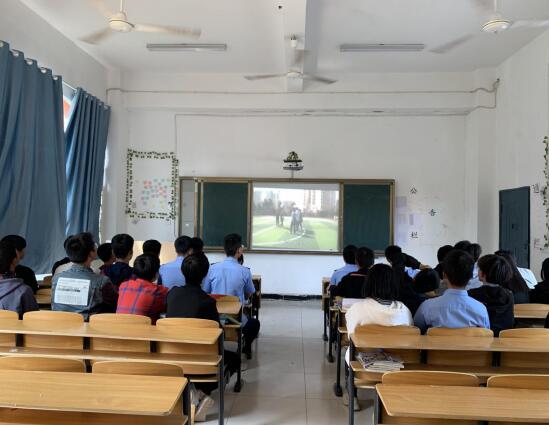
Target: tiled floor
(289, 381)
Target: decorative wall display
(151, 185)
(544, 191)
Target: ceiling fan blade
(446, 47)
(263, 77)
(542, 23)
(102, 8)
(97, 36)
(164, 29)
(317, 78)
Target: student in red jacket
(141, 295)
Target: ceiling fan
(299, 56)
(495, 24)
(118, 22)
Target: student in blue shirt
(230, 278)
(170, 273)
(349, 253)
(455, 308)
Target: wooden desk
(233, 330)
(462, 343)
(130, 332)
(43, 299)
(256, 298)
(537, 312)
(231, 308)
(469, 403)
(88, 392)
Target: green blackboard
(224, 210)
(367, 215)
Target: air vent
(381, 47)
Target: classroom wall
(516, 150)
(29, 33)
(425, 152)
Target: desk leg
(221, 380)
(330, 337)
(325, 311)
(238, 384)
(187, 401)
(351, 385)
(337, 387)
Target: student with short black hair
(120, 270)
(190, 301)
(463, 245)
(352, 285)
(152, 246)
(141, 295)
(441, 254)
(21, 272)
(455, 308)
(426, 283)
(105, 254)
(517, 285)
(170, 273)
(350, 267)
(15, 295)
(540, 294)
(197, 245)
(79, 289)
(403, 279)
(493, 272)
(394, 253)
(64, 263)
(230, 278)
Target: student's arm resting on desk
(249, 288)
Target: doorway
(514, 223)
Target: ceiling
(255, 31)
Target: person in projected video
(294, 222)
(278, 214)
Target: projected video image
(295, 216)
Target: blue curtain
(32, 158)
(85, 142)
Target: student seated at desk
(171, 272)
(350, 266)
(14, 294)
(141, 295)
(540, 294)
(352, 285)
(192, 302)
(517, 285)
(493, 272)
(79, 289)
(153, 247)
(197, 245)
(105, 254)
(26, 274)
(120, 270)
(379, 308)
(230, 278)
(402, 278)
(455, 308)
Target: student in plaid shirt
(141, 295)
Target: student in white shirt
(380, 306)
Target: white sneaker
(202, 410)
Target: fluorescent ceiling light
(186, 47)
(381, 47)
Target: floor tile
(268, 411)
(319, 386)
(271, 383)
(332, 412)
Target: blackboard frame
(250, 180)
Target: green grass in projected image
(318, 234)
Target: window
(68, 97)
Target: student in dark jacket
(517, 285)
(14, 294)
(540, 294)
(192, 302)
(122, 248)
(406, 293)
(26, 274)
(494, 272)
(352, 285)
(426, 283)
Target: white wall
(510, 148)
(29, 33)
(424, 152)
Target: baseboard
(290, 297)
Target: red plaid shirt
(142, 297)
